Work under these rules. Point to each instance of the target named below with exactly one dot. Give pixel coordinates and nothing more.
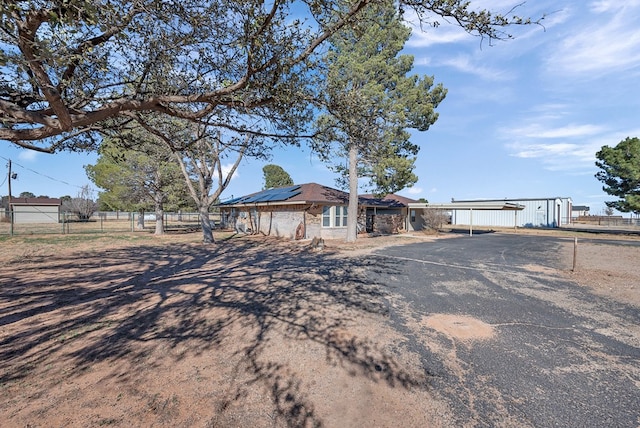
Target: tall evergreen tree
(370, 102)
(620, 172)
(144, 175)
(276, 176)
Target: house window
(326, 216)
(413, 216)
(341, 217)
(334, 216)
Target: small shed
(35, 210)
(579, 211)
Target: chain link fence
(599, 220)
(29, 222)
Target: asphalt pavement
(558, 356)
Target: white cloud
(566, 147)
(422, 38)
(555, 17)
(485, 96)
(572, 158)
(601, 6)
(573, 153)
(556, 152)
(543, 131)
(425, 35)
(608, 42)
(465, 63)
(28, 155)
(226, 169)
(449, 32)
(414, 190)
(422, 61)
(549, 111)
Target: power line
(40, 174)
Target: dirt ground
(163, 331)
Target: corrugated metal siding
(537, 213)
(36, 214)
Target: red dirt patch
(459, 327)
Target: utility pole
(9, 181)
(9, 209)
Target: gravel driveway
(509, 341)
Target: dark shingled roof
(301, 193)
(310, 193)
(389, 201)
(35, 201)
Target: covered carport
(466, 206)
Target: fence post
(575, 253)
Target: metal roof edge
(455, 201)
(503, 206)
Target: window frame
(336, 215)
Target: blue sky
(522, 118)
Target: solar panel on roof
(278, 194)
(231, 201)
(284, 193)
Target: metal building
(537, 212)
(35, 210)
(419, 217)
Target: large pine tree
(370, 101)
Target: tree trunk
(140, 224)
(352, 210)
(159, 219)
(207, 232)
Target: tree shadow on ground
(123, 304)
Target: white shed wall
(551, 212)
(36, 214)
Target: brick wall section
(314, 223)
(280, 221)
(283, 221)
(389, 223)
